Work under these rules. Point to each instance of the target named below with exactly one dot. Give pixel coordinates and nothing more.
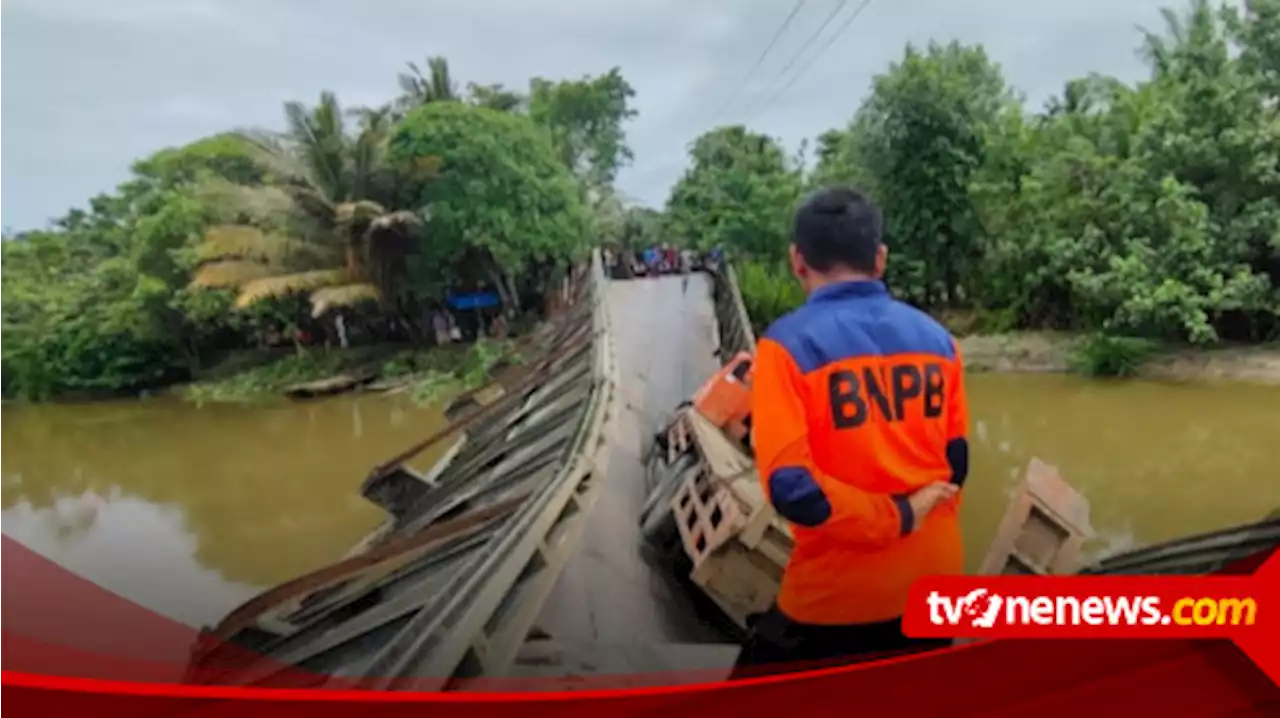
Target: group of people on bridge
(658, 260)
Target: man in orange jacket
(859, 426)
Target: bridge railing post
(736, 334)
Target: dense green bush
(1110, 356)
(768, 291)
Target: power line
(831, 41)
(809, 41)
(795, 10)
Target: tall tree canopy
(738, 192)
(501, 194)
(585, 119)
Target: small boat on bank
(327, 387)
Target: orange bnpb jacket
(857, 400)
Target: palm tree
(419, 89)
(496, 97)
(323, 225)
(1191, 41)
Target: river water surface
(189, 511)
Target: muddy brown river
(190, 511)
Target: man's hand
(925, 498)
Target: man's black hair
(838, 227)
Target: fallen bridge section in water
(487, 548)
(518, 553)
(451, 584)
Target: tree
(585, 120)
(642, 227)
(496, 97)
(916, 143)
(322, 224)
(501, 202)
(418, 89)
(738, 193)
(1147, 210)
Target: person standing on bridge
(859, 427)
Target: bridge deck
(609, 600)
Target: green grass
(1103, 355)
(473, 370)
(433, 373)
(266, 379)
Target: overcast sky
(91, 85)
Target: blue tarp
(475, 300)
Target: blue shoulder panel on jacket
(846, 321)
(797, 497)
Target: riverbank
(432, 374)
(429, 373)
(1059, 353)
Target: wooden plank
(1044, 528)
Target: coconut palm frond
(275, 286)
(251, 243)
(375, 122)
(435, 86)
(271, 152)
(442, 87)
(388, 240)
(354, 221)
(359, 211)
(319, 138)
(400, 219)
(369, 169)
(326, 298)
(263, 206)
(230, 241)
(230, 273)
(314, 205)
(412, 85)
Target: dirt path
(1049, 352)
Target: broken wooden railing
(451, 583)
(1046, 527)
(736, 333)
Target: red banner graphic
(71, 647)
(1244, 609)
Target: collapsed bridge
(518, 552)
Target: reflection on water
(1155, 460)
(136, 548)
(190, 511)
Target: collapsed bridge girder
(526, 528)
(452, 584)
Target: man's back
(865, 401)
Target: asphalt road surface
(612, 608)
